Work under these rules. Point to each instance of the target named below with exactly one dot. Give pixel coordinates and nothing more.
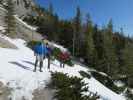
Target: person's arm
(34, 49)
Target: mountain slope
(22, 7)
(24, 30)
(17, 72)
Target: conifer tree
(119, 42)
(10, 19)
(128, 59)
(90, 49)
(99, 50)
(70, 88)
(77, 32)
(50, 9)
(110, 55)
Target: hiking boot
(41, 70)
(41, 65)
(34, 70)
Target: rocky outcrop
(2, 15)
(22, 7)
(43, 94)
(5, 92)
(24, 30)
(6, 44)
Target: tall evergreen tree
(77, 32)
(90, 49)
(56, 28)
(128, 59)
(110, 55)
(10, 19)
(50, 9)
(99, 49)
(65, 34)
(119, 42)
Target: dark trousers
(62, 65)
(40, 65)
(48, 57)
(48, 62)
(39, 59)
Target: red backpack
(63, 56)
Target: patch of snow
(102, 73)
(132, 91)
(2, 8)
(58, 46)
(21, 21)
(2, 29)
(25, 24)
(119, 83)
(16, 70)
(105, 93)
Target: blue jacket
(40, 49)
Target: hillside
(17, 73)
(22, 7)
(24, 30)
(102, 53)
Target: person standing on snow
(63, 57)
(40, 52)
(49, 53)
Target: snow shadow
(54, 64)
(20, 65)
(28, 62)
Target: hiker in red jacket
(63, 57)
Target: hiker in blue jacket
(40, 52)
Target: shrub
(32, 43)
(108, 82)
(69, 62)
(129, 94)
(85, 74)
(130, 82)
(56, 54)
(69, 88)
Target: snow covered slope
(16, 70)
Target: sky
(120, 11)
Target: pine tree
(77, 32)
(70, 88)
(99, 49)
(10, 19)
(65, 34)
(119, 42)
(110, 55)
(56, 28)
(128, 59)
(90, 49)
(50, 9)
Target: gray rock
(4, 92)
(43, 94)
(6, 44)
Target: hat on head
(46, 41)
